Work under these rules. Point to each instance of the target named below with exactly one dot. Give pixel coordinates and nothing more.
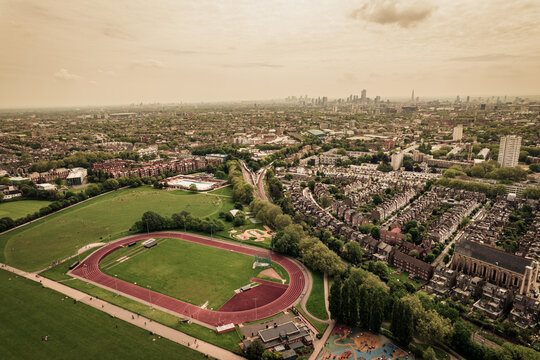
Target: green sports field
(21, 208)
(36, 245)
(188, 271)
(76, 331)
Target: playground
(253, 234)
(351, 343)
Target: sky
(103, 52)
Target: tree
(193, 188)
(325, 201)
(353, 252)
(377, 199)
(282, 221)
(111, 184)
(239, 219)
(433, 327)
(255, 350)
(429, 354)
(402, 322)
(375, 232)
(376, 307)
(335, 298)
(446, 259)
(152, 221)
(382, 270)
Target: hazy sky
(74, 52)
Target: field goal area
(262, 260)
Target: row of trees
(242, 191)
(489, 190)
(152, 221)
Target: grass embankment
(75, 330)
(316, 304)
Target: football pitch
(37, 245)
(75, 331)
(187, 271)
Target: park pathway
(130, 317)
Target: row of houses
(397, 256)
(449, 222)
(120, 168)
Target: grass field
(315, 304)
(76, 331)
(56, 237)
(227, 191)
(188, 271)
(227, 341)
(21, 208)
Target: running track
(88, 269)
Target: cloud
(65, 75)
(486, 57)
(404, 13)
(147, 63)
(107, 72)
(116, 33)
(252, 65)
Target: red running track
(260, 295)
(88, 269)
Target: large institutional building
(496, 266)
(509, 150)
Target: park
(36, 245)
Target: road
(477, 217)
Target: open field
(226, 191)
(56, 237)
(29, 312)
(21, 208)
(315, 304)
(188, 271)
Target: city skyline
(76, 54)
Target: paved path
(131, 317)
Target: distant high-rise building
(509, 150)
(364, 95)
(458, 133)
(396, 160)
(412, 96)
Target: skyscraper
(458, 133)
(412, 97)
(509, 150)
(364, 95)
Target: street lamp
(150, 294)
(116, 283)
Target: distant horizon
(396, 99)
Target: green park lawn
(76, 331)
(315, 303)
(188, 271)
(21, 208)
(56, 237)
